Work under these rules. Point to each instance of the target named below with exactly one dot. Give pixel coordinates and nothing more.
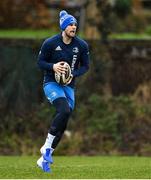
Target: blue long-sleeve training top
(54, 50)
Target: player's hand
(59, 68)
(70, 79)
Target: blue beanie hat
(66, 19)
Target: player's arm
(43, 62)
(84, 62)
(43, 57)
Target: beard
(69, 34)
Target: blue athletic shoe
(47, 154)
(43, 164)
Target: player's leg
(70, 97)
(52, 91)
(64, 111)
(56, 96)
(63, 101)
(57, 127)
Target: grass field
(18, 33)
(42, 34)
(73, 167)
(130, 36)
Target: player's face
(71, 30)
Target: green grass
(16, 33)
(29, 34)
(130, 36)
(42, 34)
(81, 167)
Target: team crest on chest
(75, 50)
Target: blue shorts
(54, 90)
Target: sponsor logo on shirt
(74, 59)
(58, 48)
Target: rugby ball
(63, 78)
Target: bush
(122, 7)
(102, 123)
